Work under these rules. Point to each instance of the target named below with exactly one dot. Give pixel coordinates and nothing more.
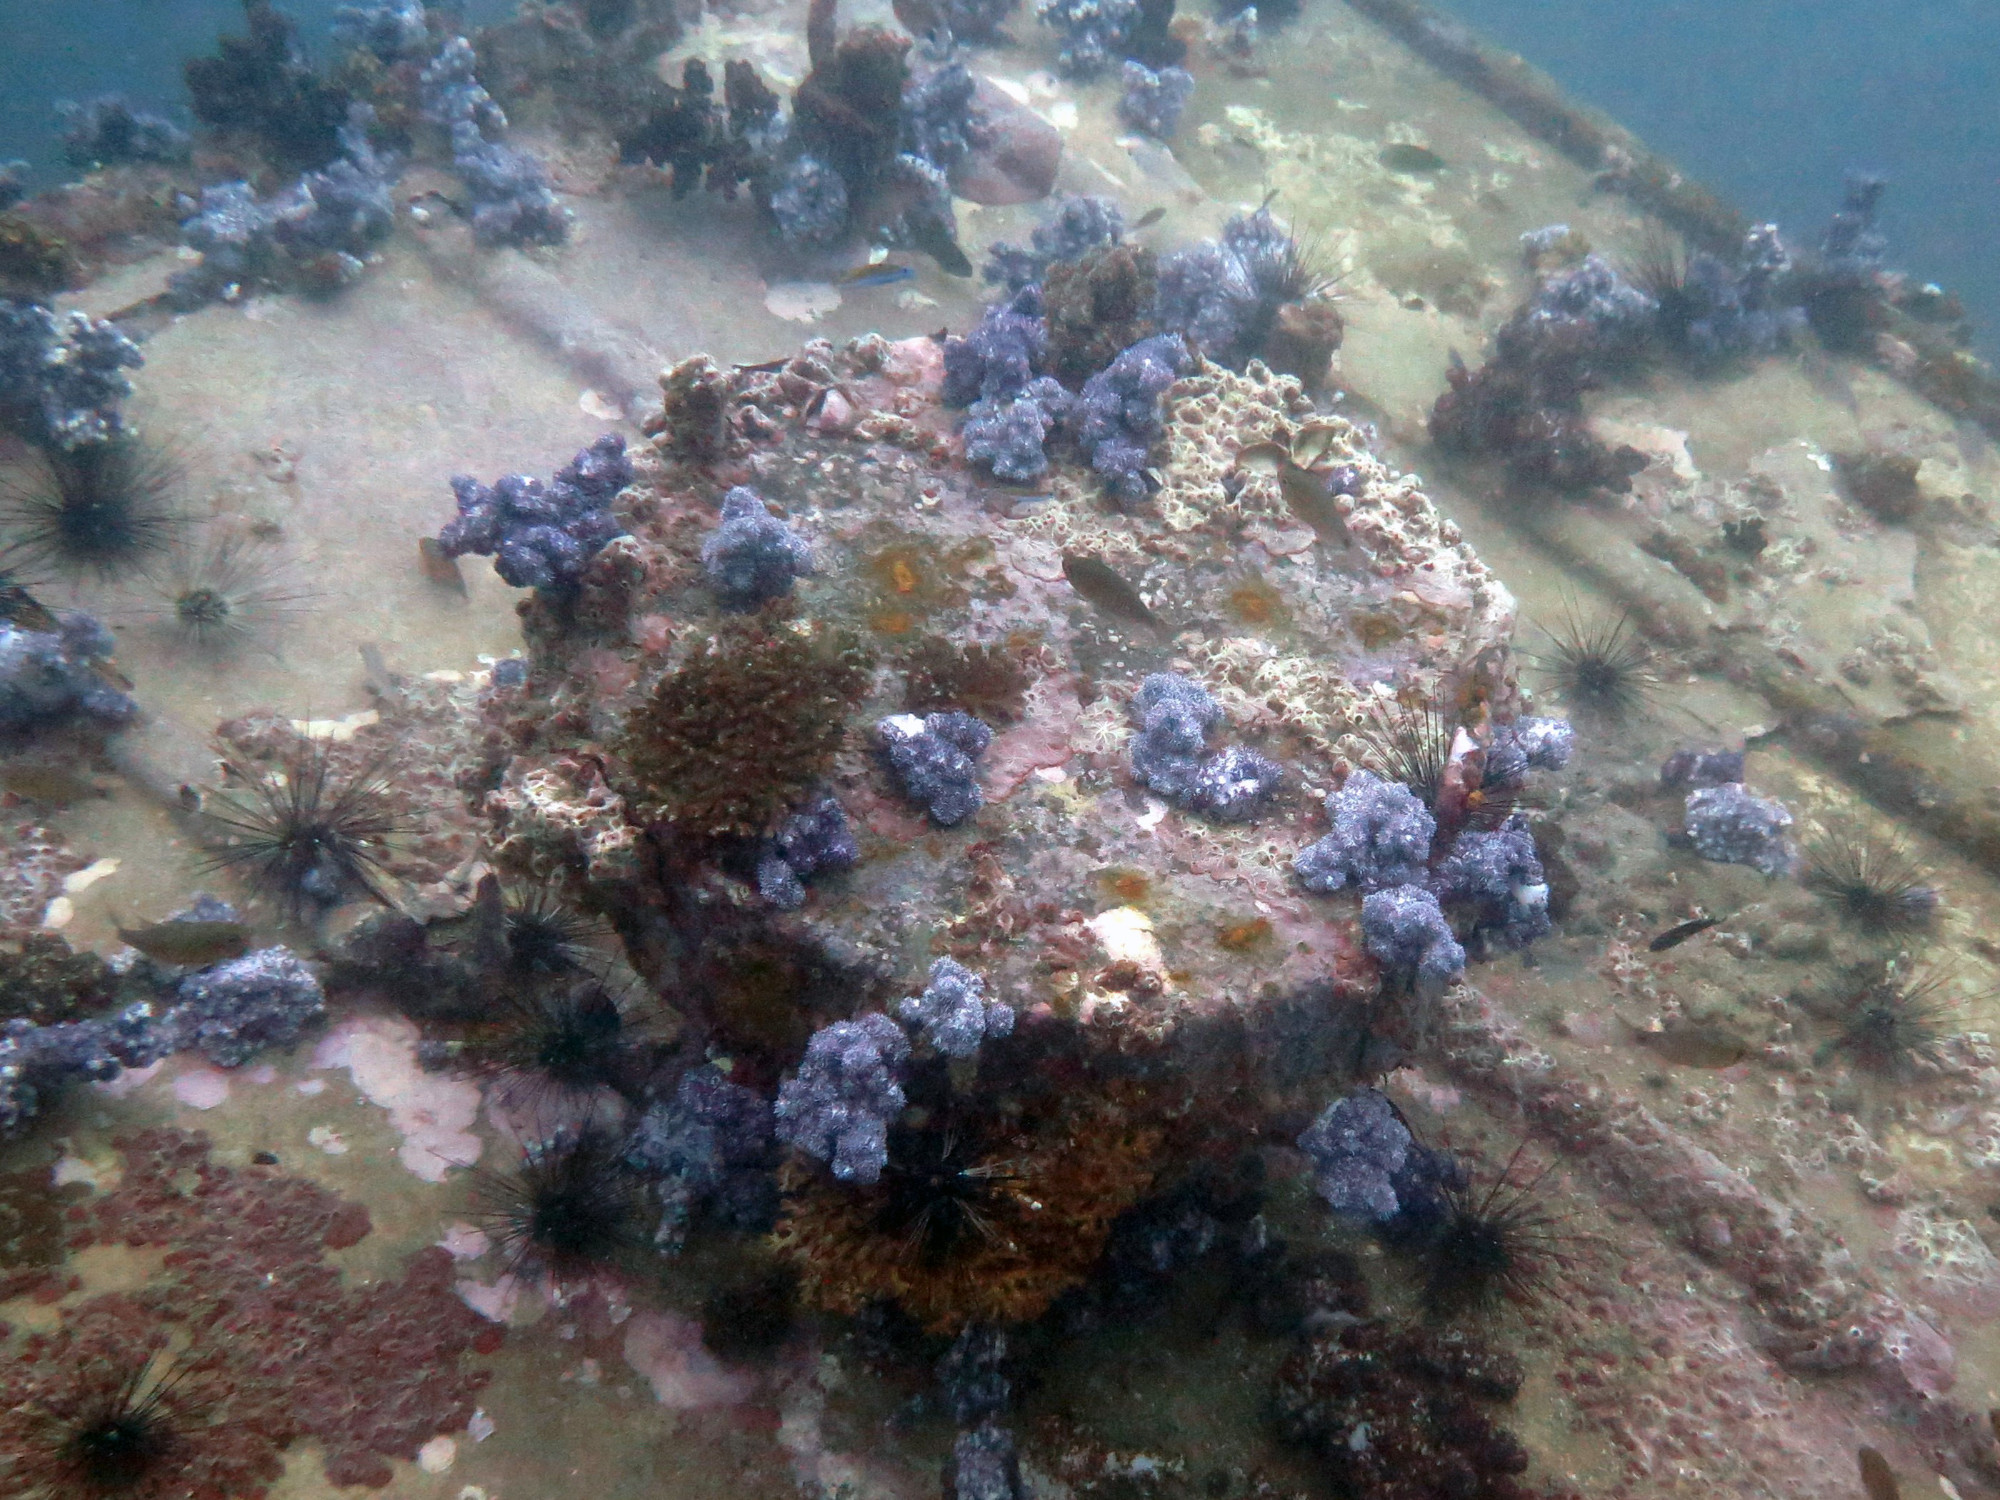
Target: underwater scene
(979, 751)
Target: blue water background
(78, 49)
(1772, 102)
(1769, 101)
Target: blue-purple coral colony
(1175, 715)
(706, 1153)
(752, 557)
(813, 841)
(49, 678)
(1405, 931)
(1381, 837)
(781, 1050)
(62, 375)
(1117, 417)
(1357, 1146)
(512, 201)
(228, 1013)
(934, 761)
(848, 1088)
(953, 1015)
(1733, 826)
(311, 236)
(1153, 102)
(541, 536)
(108, 130)
(1078, 225)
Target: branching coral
(744, 728)
(987, 681)
(1096, 306)
(261, 85)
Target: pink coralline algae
(278, 1344)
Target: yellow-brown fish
(19, 607)
(439, 566)
(1693, 1044)
(51, 782)
(1876, 1476)
(1673, 937)
(191, 944)
(1310, 498)
(1100, 583)
(1150, 217)
(1410, 158)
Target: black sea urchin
(1874, 883)
(545, 936)
(561, 1043)
(1493, 1242)
(217, 594)
(1659, 268)
(1410, 743)
(309, 836)
(113, 1436)
(103, 510)
(1894, 1019)
(939, 1195)
(1602, 668)
(573, 1206)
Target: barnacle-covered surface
(1781, 1249)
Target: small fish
(1314, 442)
(1311, 500)
(19, 607)
(935, 240)
(1150, 217)
(1407, 156)
(884, 275)
(1973, 445)
(1693, 1044)
(375, 673)
(1673, 937)
(48, 781)
(439, 566)
(1099, 583)
(1826, 377)
(489, 924)
(193, 945)
(1876, 1476)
